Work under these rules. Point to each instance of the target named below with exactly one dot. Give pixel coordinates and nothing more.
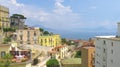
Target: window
(21, 37)
(34, 33)
(111, 61)
(21, 42)
(28, 39)
(104, 59)
(2, 54)
(20, 32)
(45, 40)
(111, 51)
(41, 40)
(104, 50)
(103, 65)
(104, 42)
(35, 42)
(112, 44)
(28, 34)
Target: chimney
(118, 32)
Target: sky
(68, 16)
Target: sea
(86, 35)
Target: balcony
(20, 56)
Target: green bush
(6, 40)
(78, 54)
(52, 63)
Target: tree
(18, 15)
(64, 41)
(41, 30)
(8, 58)
(1, 65)
(52, 63)
(9, 30)
(6, 40)
(78, 54)
(46, 33)
(6, 30)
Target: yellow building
(4, 17)
(50, 40)
(4, 20)
(27, 36)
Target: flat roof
(89, 47)
(109, 37)
(71, 61)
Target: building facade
(50, 40)
(4, 17)
(17, 21)
(21, 58)
(27, 36)
(4, 20)
(4, 49)
(107, 50)
(59, 52)
(88, 56)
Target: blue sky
(69, 15)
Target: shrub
(52, 63)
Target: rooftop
(89, 47)
(71, 61)
(109, 37)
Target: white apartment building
(107, 50)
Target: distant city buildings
(107, 50)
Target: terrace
(20, 56)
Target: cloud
(60, 18)
(13, 5)
(32, 13)
(60, 8)
(16, 4)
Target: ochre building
(4, 17)
(50, 40)
(88, 56)
(27, 36)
